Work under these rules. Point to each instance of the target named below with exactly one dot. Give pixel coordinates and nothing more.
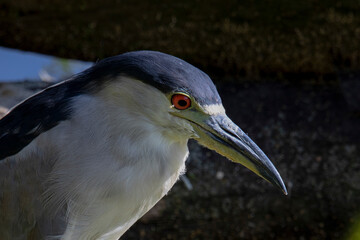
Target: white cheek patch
(214, 109)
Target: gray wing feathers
(33, 116)
(23, 176)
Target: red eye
(181, 101)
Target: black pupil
(182, 103)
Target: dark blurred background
(289, 75)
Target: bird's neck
(120, 169)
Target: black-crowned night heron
(86, 158)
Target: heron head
(182, 101)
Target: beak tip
(284, 190)
(275, 179)
(282, 187)
(271, 175)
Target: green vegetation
(311, 39)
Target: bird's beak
(220, 134)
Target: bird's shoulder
(33, 116)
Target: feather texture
(97, 172)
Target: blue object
(16, 65)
